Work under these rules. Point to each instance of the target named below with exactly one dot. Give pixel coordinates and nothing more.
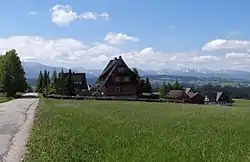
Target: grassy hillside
(139, 131)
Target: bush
(51, 91)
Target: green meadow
(90, 130)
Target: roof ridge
(106, 79)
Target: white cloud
(227, 45)
(70, 52)
(32, 13)
(118, 38)
(237, 55)
(63, 15)
(93, 16)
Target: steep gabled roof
(109, 70)
(210, 96)
(109, 66)
(215, 96)
(191, 94)
(77, 77)
(176, 94)
(218, 95)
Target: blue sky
(170, 26)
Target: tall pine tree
(55, 80)
(162, 90)
(169, 87)
(139, 88)
(177, 86)
(147, 86)
(39, 85)
(69, 84)
(45, 79)
(47, 83)
(61, 82)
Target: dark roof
(192, 94)
(210, 96)
(215, 96)
(109, 70)
(109, 66)
(78, 77)
(176, 94)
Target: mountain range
(32, 70)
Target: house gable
(217, 98)
(115, 76)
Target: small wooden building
(177, 96)
(117, 79)
(79, 80)
(195, 98)
(217, 98)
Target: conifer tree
(69, 84)
(61, 82)
(169, 87)
(39, 85)
(45, 79)
(147, 86)
(177, 86)
(55, 80)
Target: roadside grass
(3, 98)
(67, 130)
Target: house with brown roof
(195, 98)
(117, 79)
(217, 98)
(177, 96)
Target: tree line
(56, 83)
(235, 92)
(12, 74)
(165, 88)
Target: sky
(148, 34)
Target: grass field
(3, 98)
(139, 131)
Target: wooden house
(177, 96)
(117, 79)
(217, 98)
(79, 82)
(195, 98)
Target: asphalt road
(16, 119)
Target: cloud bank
(69, 52)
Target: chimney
(115, 58)
(120, 57)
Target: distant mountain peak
(32, 70)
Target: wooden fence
(121, 98)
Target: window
(117, 89)
(121, 69)
(117, 79)
(127, 79)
